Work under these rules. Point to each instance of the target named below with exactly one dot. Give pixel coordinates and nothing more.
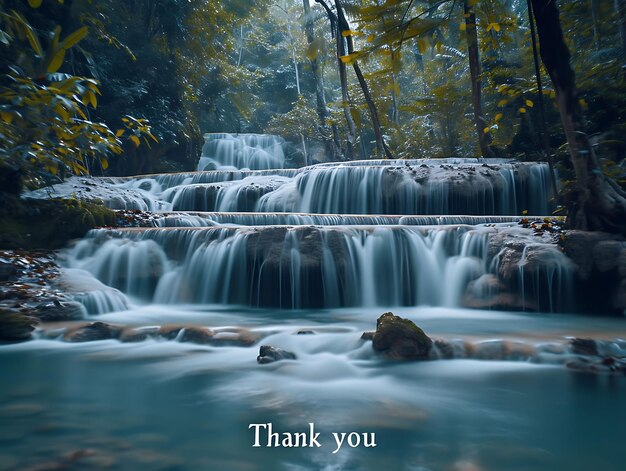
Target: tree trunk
(598, 202)
(381, 147)
(484, 139)
(343, 79)
(332, 146)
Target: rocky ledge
(400, 339)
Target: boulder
(269, 354)
(400, 339)
(92, 332)
(15, 326)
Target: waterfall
(292, 267)
(241, 151)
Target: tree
(598, 203)
(484, 138)
(346, 55)
(45, 129)
(332, 144)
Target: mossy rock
(400, 339)
(48, 224)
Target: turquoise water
(179, 406)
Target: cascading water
(249, 253)
(224, 151)
(301, 266)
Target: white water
(224, 151)
(505, 402)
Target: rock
(368, 335)
(238, 337)
(305, 332)
(92, 332)
(193, 334)
(607, 365)
(133, 335)
(583, 346)
(400, 339)
(59, 311)
(15, 326)
(269, 354)
(443, 349)
(200, 335)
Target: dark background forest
(445, 78)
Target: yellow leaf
(35, 3)
(56, 62)
(462, 26)
(502, 102)
(370, 38)
(422, 45)
(486, 130)
(30, 34)
(135, 140)
(61, 111)
(496, 27)
(74, 37)
(529, 103)
(346, 32)
(350, 58)
(119, 133)
(583, 103)
(522, 110)
(92, 98)
(525, 212)
(52, 169)
(6, 117)
(498, 117)
(104, 163)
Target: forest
(208, 210)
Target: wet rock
(134, 335)
(269, 354)
(443, 349)
(59, 311)
(595, 365)
(305, 332)
(237, 338)
(92, 332)
(193, 334)
(15, 326)
(583, 346)
(200, 335)
(400, 339)
(368, 335)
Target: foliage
(45, 129)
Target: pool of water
(167, 405)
